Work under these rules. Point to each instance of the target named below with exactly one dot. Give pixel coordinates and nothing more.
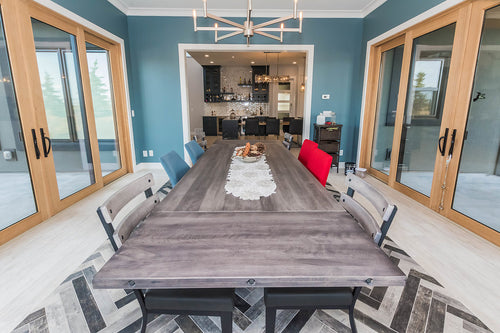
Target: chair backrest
(385, 209)
(194, 150)
(287, 140)
(296, 126)
(319, 164)
(252, 126)
(305, 151)
(229, 129)
(272, 126)
(175, 167)
(108, 211)
(362, 216)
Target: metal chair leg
(355, 294)
(270, 319)
(227, 322)
(140, 299)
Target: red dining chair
(307, 147)
(319, 165)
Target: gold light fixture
(266, 78)
(248, 29)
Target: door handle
(452, 144)
(35, 144)
(46, 143)
(442, 142)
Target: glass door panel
(423, 113)
(104, 109)
(477, 190)
(17, 199)
(387, 102)
(59, 72)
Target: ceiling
(237, 8)
(246, 58)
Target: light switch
(145, 153)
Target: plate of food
(251, 153)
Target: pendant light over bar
(248, 29)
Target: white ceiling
(237, 8)
(246, 58)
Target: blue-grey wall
(389, 15)
(99, 12)
(155, 72)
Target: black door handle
(452, 144)
(35, 144)
(46, 143)
(442, 142)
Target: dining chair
(202, 302)
(287, 140)
(305, 151)
(175, 167)
(286, 124)
(194, 150)
(252, 126)
(323, 298)
(273, 127)
(296, 125)
(382, 205)
(230, 129)
(319, 164)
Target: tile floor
(37, 262)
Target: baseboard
(148, 166)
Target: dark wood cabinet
(211, 83)
(260, 90)
(328, 139)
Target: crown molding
(120, 5)
(188, 12)
(374, 4)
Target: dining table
(200, 236)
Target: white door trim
(405, 25)
(183, 48)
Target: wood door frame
(17, 16)
(463, 99)
(468, 16)
(372, 97)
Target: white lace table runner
(250, 181)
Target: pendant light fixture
(303, 84)
(266, 78)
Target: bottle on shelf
(240, 79)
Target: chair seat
(304, 297)
(190, 299)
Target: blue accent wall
(99, 12)
(155, 72)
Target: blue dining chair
(175, 167)
(194, 150)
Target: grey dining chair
(323, 298)
(202, 302)
(383, 206)
(287, 140)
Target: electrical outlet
(341, 152)
(145, 153)
(325, 96)
(151, 153)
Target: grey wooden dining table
(201, 237)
